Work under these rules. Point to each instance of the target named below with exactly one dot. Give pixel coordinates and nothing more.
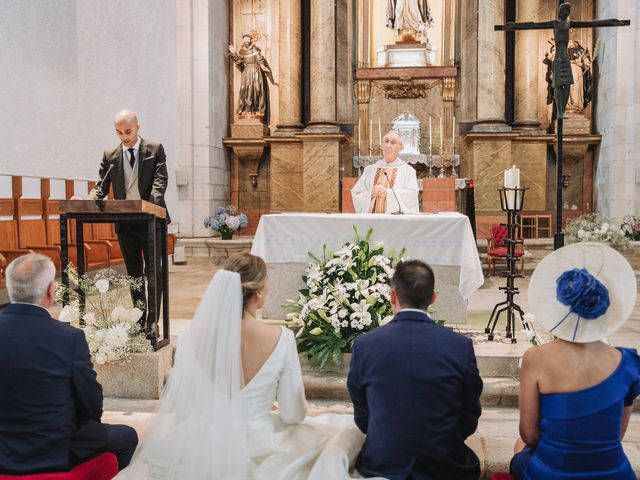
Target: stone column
(323, 67)
(290, 75)
(526, 71)
(491, 68)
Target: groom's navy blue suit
(50, 400)
(415, 388)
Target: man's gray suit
(146, 181)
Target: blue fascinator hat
(583, 292)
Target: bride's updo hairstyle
(252, 270)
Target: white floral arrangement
(109, 321)
(591, 227)
(346, 294)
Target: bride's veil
(197, 432)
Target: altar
(444, 241)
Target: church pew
(34, 233)
(9, 245)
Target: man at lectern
(137, 168)
(389, 185)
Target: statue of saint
(253, 99)
(581, 91)
(409, 17)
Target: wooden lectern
(123, 211)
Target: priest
(389, 185)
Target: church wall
(617, 114)
(70, 65)
(202, 28)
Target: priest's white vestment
(396, 174)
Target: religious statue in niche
(253, 101)
(409, 18)
(581, 91)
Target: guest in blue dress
(576, 392)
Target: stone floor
(498, 426)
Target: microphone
(399, 212)
(93, 195)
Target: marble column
(526, 68)
(323, 67)
(491, 68)
(290, 75)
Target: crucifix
(562, 79)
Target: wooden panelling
(8, 234)
(29, 206)
(6, 207)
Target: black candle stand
(511, 202)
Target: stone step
(495, 359)
(497, 392)
(493, 441)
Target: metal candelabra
(511, 202)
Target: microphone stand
(399, 212)
(100, 201)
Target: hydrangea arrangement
(109, 323)
(346, 294)
(631, 227)
(594, 228)
(225, 221)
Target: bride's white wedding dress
(286, 445)
(210, 426)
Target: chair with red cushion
(497, 249)
(501, 476)
(102, 467)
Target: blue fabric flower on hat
(583, 293)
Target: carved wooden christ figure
(409, 17)
(253, 100)
(561, 75)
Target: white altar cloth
(440, 239)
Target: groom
(415, 389)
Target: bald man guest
(50, 399)
(137, 169)
(388, 186)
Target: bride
(216, 418)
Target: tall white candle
(430, 135)
(380, 135)
(370, 135)
(453, 136)
(512, 180)
(359, 131)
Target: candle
(370, 131)
(453, 136)
(380, 134)
(430, 135)
(359, 130)
(512, 181)
(441, 137)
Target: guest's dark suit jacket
(48, 389)
(415, 388)
(152, 173)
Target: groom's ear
(433, 298)
(393, 297)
